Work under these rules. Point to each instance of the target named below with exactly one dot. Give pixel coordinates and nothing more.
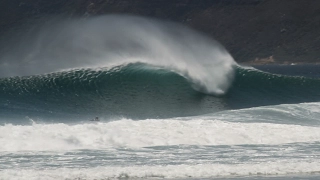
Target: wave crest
(111, 40)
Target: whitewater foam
(298, 114)
(145, 133)
(168, 172)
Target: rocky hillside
(254, 31)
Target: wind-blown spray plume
(112, 40)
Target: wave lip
(111, 40)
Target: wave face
(253, 88)
(139, 91)
(132, 90)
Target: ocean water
(172, 104)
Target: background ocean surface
(194, 115)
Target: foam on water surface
(144, 133)
(168, 172)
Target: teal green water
(142, 91)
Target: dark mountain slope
(282, 30)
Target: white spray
(112, 40)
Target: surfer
(95, 119)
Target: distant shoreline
(271, 61)
(278, 63)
